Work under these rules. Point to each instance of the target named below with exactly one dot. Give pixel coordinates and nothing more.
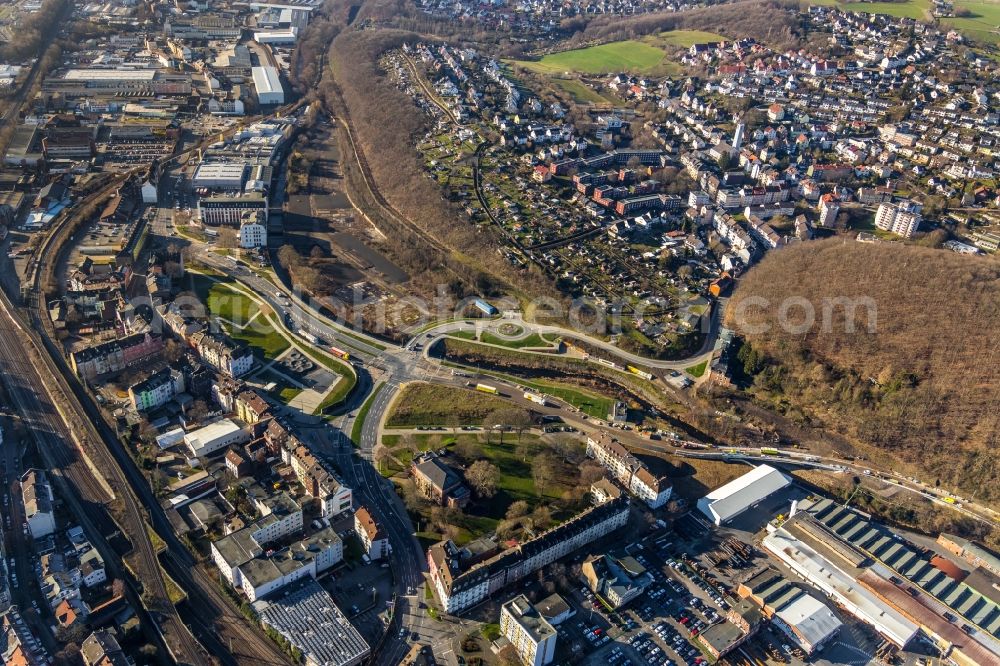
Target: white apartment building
(458, 588)
(232, 210)
(629, 470)
(902, 219)
(253, 231)
(529, 633)
(372, 538)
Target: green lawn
(262, 336)
(580, 92)
(915, 9)
(533, 340)
(230, 305)
(289, 393)
(981, 25)
(697, 370)
(359, 421)
(629, 55)
(225, 302)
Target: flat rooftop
(306, 615)
(266, 80)
(110, 74)
(815, 568)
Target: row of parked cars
(678, 644)
(683, 569)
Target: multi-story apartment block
(459, 589)
(157, 390)
(902, 219)
(232, 211)
(373, 538)
(629, 470)
(529, 633)
(829, 207)
(253, 230)
(111, 357)
(223, 354)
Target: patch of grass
(174, 591)
(980, 26)
(915, 9)
(190, 232)
(428, 404)
(463, 335)
(262, 336)
(579, 91)
(697, 370)
(230, 305)
(629, 55)
(359, 421)
(289, 393)
(533, 340)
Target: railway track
(65, 439)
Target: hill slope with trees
(917, 379)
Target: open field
(639, 56)
(629, 55)
(580, 92)
(982, 24)
(427, 404)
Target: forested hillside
(921, 383)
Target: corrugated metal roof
(740, 494)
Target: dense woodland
(922, 386)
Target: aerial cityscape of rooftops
(610, 333)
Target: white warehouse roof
(266, 80)
(840, 586)
(110, 74)
(740, 494)
(811, 618)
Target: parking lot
(657, 628)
